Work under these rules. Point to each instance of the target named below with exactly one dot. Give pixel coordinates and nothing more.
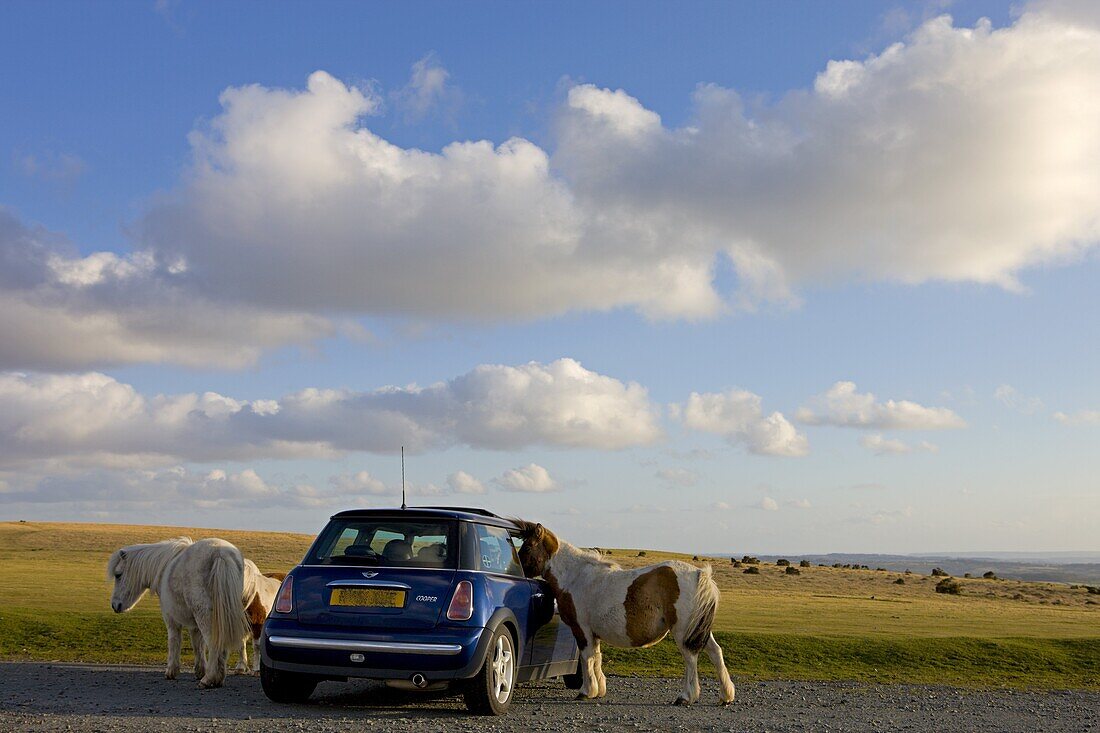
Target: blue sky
(704, 198)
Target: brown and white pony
(263, 587)
(600, 601)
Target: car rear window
(388, 542)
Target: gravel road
(53, 697)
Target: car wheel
(490, 692)
(286, 687)
(573, 680)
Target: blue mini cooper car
(426, 598)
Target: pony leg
(173, 667)
(216, 663)
(198, 645)
(214, 660)
(714, 651)
(255, 656)
(690, 692)
(242, 659)
(590, 686)
(597, 669)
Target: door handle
(537, 595)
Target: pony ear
(122, 554)
(540, 531)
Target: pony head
(128, 588)
(137, 568)
(539, 545)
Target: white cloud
(769, 504)
(1080, 418)
(463, 483)
(960, 154)
(428, 90)
(882, 446)
(801, 504)
(531, 478)
(678, 477)
(92, 419)
(1011, 398)
(185, 488)
(360, 482)
(843, 406)
(891, 517)
(737, 415)
(175, 486)
(895, 167)
(62, 311)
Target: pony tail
(701, 620)
(228, 623)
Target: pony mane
(535, 531)
(148, 561)
(255, 580)
(594, 556)
(552, 545)
(526, 529)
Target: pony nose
(117, 606)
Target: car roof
(469, 514)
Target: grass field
(826, 623)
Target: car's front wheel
(286, 687)
(490, 692)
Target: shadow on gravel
(74, 689)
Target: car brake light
(285, 601)
(462, 602)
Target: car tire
(573, 680)
(286, 687)
(490, 691)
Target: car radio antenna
(402, 477)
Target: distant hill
(1043, 567)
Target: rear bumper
(443, 654)
(358, 645)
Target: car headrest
(397, 550)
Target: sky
(710, 277)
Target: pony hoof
(582, 696)
(725, 703)
(680, 701)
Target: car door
(548, 640)
(543, 627)
(505, 583)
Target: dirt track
(42, 697)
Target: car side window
(496, 551)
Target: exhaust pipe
(419, 681)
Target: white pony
(200, 585)
(262, 589)
(600, 601)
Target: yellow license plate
(367, 597)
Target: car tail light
(462, 602)
(284, 602)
